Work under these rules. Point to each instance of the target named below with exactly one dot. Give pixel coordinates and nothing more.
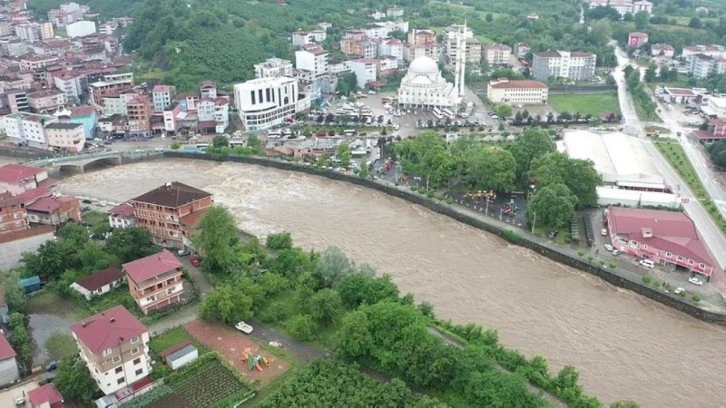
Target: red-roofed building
(512, 92)
(98, 283)
(155, 282)
(637, 39)
(665, 237)
(122, 216)
(113, 345)
(8, 364)
(17, 179)
(54, 210)
(13, 216)
(46, 396)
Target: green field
(172, 338)
(593, 104)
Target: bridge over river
(79, 163)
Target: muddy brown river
(624, 345)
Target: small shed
(179, 355)
(31, 284)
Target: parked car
(609, 247)
(553, 233)
(694, 280)
(678, 291)
(617, 252)
(52, 366)
(243, 327)
(45, 381)
(604, 232)
(647, 263)
(183, 252)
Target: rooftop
(671, 231)
(49, 204)
(151, 266)
(173, 195)
(680, 91)
(99, 279)
(173, 349)
(517, 84)
(64, 125)
(124, 210)
(6, 350)
(107, 329)
(46, 394)
(16, 173)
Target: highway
(710, 233)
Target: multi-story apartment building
(13, 216)
(391, 47)
(162, 95)
(70, 83)
(27, 32)
(162, 210)
(17, 100)
(450, 37)
(517, 92)
(365, 71)
(624, 6)
(497, 54)
(66, 14)
(114, 346)
(521, 50)
(273, 67)
(111, 83)
(13, 48)
(662, 50)
(702, 65)
(266, 102)
(54, 210)
(16, 179)
(713, 50)
(32, 62)
(138, 109)
(66, 136)
(171, 112)
(208, 89)
(575, 65)
(28, 129)
(121, 216)
(312, 58)
(155, 282)
(47, 100)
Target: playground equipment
(253, 362)
(490, 195)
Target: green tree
(642, 20)
(695, 22)
(332, 266)
(578, 175)
(551, 206)
(489, 168)
(129, 244)
(489, 18)
(216, 237)
(254, 143)
(532, 143)
(717, 153)
(343, 154)
(220, 141)
(358, 289)
(302, 327)
(624, 404)
(227, 305)
(21, 341)
(279, 241)
(651, 74)
(14, 295)
(504, 111)
(326, 306)
(175, 145)
(291, 263)
(74, 381)
(354, 337)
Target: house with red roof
(98, 283)
(17, 179)
(121, 216)
(13, 216)
(155, 282)
(113, 344)
(8, 364)
(54, 210)
(667, 238)
(46, 396)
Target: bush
(279, 241)
(580, 253)
(613, 265)
(696, 298)
(646, 279)
(273, 313)
(302, 327)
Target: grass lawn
(673, 152)
(681, 82)
(52, 304)
(593, 104)
(172, 338)
(95, 217)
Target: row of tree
(644, 104)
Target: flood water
(624, 345)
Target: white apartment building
(81, 29)
(162, 96)
(273, 67)
(47, 100)
(394, 12)
(497, 54)
(33, 62)
(713, 50)
(391, 47)
(312, 58)
(205, 109)
(114, 105)
(624, 7)
(28, 128)
(450, 35)
(365, 71)
(27, 32)
(114, 346)
(266, 102)
(69, 83)
(67, 136)
(221, 115)
(339, 67)
(575, 65)
(702, 66)
(517, 92)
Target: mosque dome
(423, 65)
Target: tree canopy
(217, 237)
(578, 175)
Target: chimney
(83, 324)
(647, 233)
(113, 319)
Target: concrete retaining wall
(509, 235)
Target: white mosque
(424, 87)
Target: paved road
(709, 231)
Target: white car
(604, 232)
(678, 291)
(694, 280)
(243, 327)
(608, 247)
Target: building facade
(66, 136)
(114, 346)
(266, 102)
(155, 282)
(575, 65)
(162, 96)
(497, 54)
(121, 216)
(274, 67)
(517, 92)
(13, 216)
(425, 87)
(54, 210)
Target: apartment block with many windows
(155, 282)
(114, 346)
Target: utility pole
(534, 220)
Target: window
(135, 339)
(107, 352)
(690, 261)
(116, 359)
(680, 258)
(151, 298)
(134, 350)
(137, 361)
(702, 266)
(668, 254)
(139, 371)
(121, 380)
(118, 369)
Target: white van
(646, 263)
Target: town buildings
(18, 179)
(114, 346)
(637, 39)
(313, 59)
(521, 50)
(667, 238)
(122, 216)
(155, 282)
(704, 65)
(424, 87)
(162, 96)
(497, 54)
(365, 71)
(13, 216)
(662, 50)
(111, 84)
(98, 283)
(575, 65)
(163, 210)
(8, 365)
(421, 43)
(80, 29)
(265, 102)
(274, 67)
(45, 396)
(624, 6)
(67, 14)
(517, 92)
(54, 210)
(452, 35)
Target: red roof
(206, 124)
(190, 220)
(671, 231)
(16, 173)
(49, 204)
(46, 394)
(100, 279)
(123, 210)
(175, 348)
(107, 329)
(517, 84)
(151, 266)
(6, 350)
(82, 111)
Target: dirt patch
(230, 344)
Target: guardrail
(90, 156)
